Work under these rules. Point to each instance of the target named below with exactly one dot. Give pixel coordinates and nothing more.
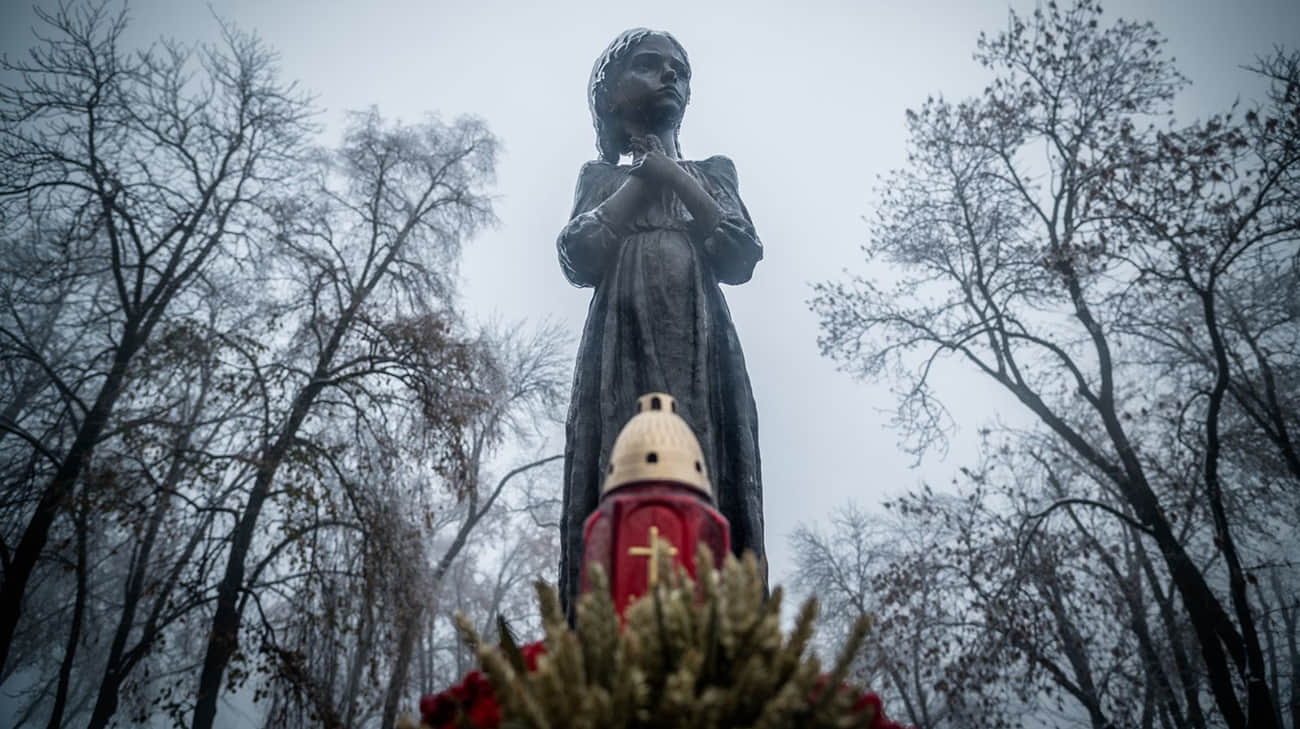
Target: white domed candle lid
(657, 445)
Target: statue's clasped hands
(650, 162)
(653, 166)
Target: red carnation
(531, 651)
(438, 710)
(472, 697)
(871, 700)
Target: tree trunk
(106, 700)
(223, 640)
(1074, 647)
(900, 686)
(1186, 676)
(406, 639)
(1290, 621)
(74, 634)
(359, 658)
(1159, 689)
(29, 549)
(1208, 617)
(1270, 645)
(401, 665)
(1261, 708)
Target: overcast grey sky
(809, 103)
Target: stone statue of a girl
(655, 239)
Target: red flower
(438, 710)
(484, 713)
(531, 651)
(472, 698)
(868, 703)
(870, 700)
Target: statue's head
(644, 74)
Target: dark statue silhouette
(655, 238)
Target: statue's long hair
(610, 139)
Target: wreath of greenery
(692, 654)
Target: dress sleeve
(584, 243)
(732, 247)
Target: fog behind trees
(1128, 557)
(247, 430)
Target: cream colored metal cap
(657, 445)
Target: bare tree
(1057, 242)
(127, 176)
(367, 254)
(408, 540)
(846, 569)
(243, 355)
(523, 385)
(177, 452)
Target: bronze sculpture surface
(655, 239)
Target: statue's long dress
(658, 323)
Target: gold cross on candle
(652, 551)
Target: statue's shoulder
(721, 168)
(599, 167)
(597, 164)
(718, 161)
(596, 170)
(597, 179)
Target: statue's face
(653, 83)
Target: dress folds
(657, 322)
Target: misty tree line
(246, 432)
(1129, 557)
